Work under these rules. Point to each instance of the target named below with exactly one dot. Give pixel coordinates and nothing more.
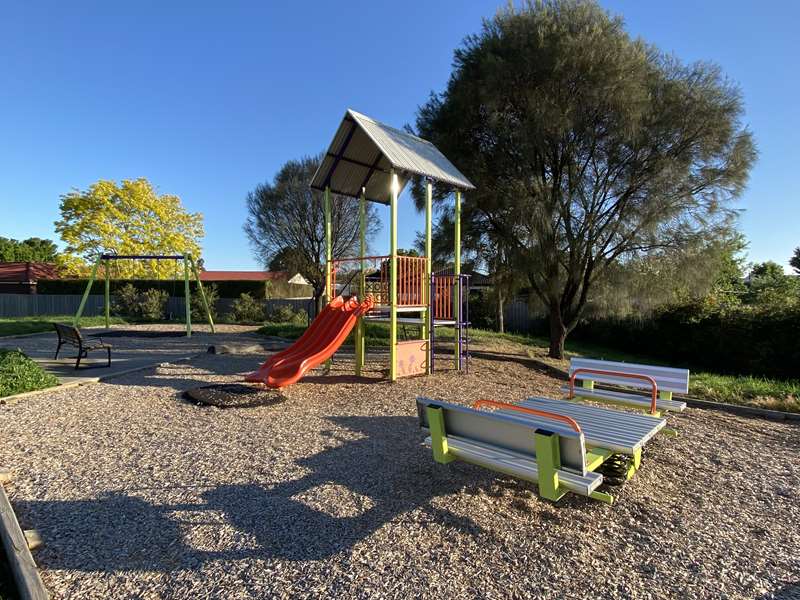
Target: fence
(42, 305)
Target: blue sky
(208, 99)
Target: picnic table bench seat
(554, 443)
(661, 381)
(71, 335)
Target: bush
(126, 301)
(149, 304)
(286, 314)
(741, 342)
(19, 374)
(247, 309)
(198, 311)
(153, 304)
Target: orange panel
(412, 358)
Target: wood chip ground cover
(139, 493)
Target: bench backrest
(667, 378)
(68, 333)
(506, 431)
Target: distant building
(212, 276)
(22, 277)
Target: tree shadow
(386, 473)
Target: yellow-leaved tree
(126, 218)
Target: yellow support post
(362, 281)
(328, 245)
(457, 270)
(393, 279)
(429, 316)
(187, 297)
(107, 295)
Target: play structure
(557, 444)
(188, 265)
(373, 162)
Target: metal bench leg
(81, 354)
(548, 461)
(109, 356)
(636, 464)
(58, 349)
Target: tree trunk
(501, 324)
(558, 332)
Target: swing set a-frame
(188, 266)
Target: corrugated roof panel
(362, 146)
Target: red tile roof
(242, 275)
(24, 272)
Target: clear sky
(208, 99)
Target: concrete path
(133, 348)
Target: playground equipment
(317, 344)
(188, 264)
(659, 382)
(557, 444)
(373, 162)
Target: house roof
(364, 151)
(242, 275)
(26, 272)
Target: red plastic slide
(317, 344)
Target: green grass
(746, 390)
(18, 374)
(24, 325)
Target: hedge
(742, 342)
(226, 289)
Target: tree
(586, 147)
(286, 223)
(31, 250)
(127, 218)
(769, 287)
(794, 262)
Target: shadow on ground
(129, 533)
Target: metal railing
(411, 284)
(647, 378)
(530, 411)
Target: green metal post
(362, 282)
(457, 268)
(202, 293)
(441, 453)
(187, 297)
(76, 321)
(393, 279)
(107, 295)
(429, 316)
(548, 461)
(328, 245)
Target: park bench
(67, 334)
(557, 444)
(659, 382)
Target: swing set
(188, 266)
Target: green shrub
(286, 314)
(198, 310)
(246, 309)
(19, 374)
(126, 301)
(153, 304)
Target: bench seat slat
(636, 400)
(515, 464)
(616, 430)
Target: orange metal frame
(647, 378)
(531, 411)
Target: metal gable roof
(363, 152)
